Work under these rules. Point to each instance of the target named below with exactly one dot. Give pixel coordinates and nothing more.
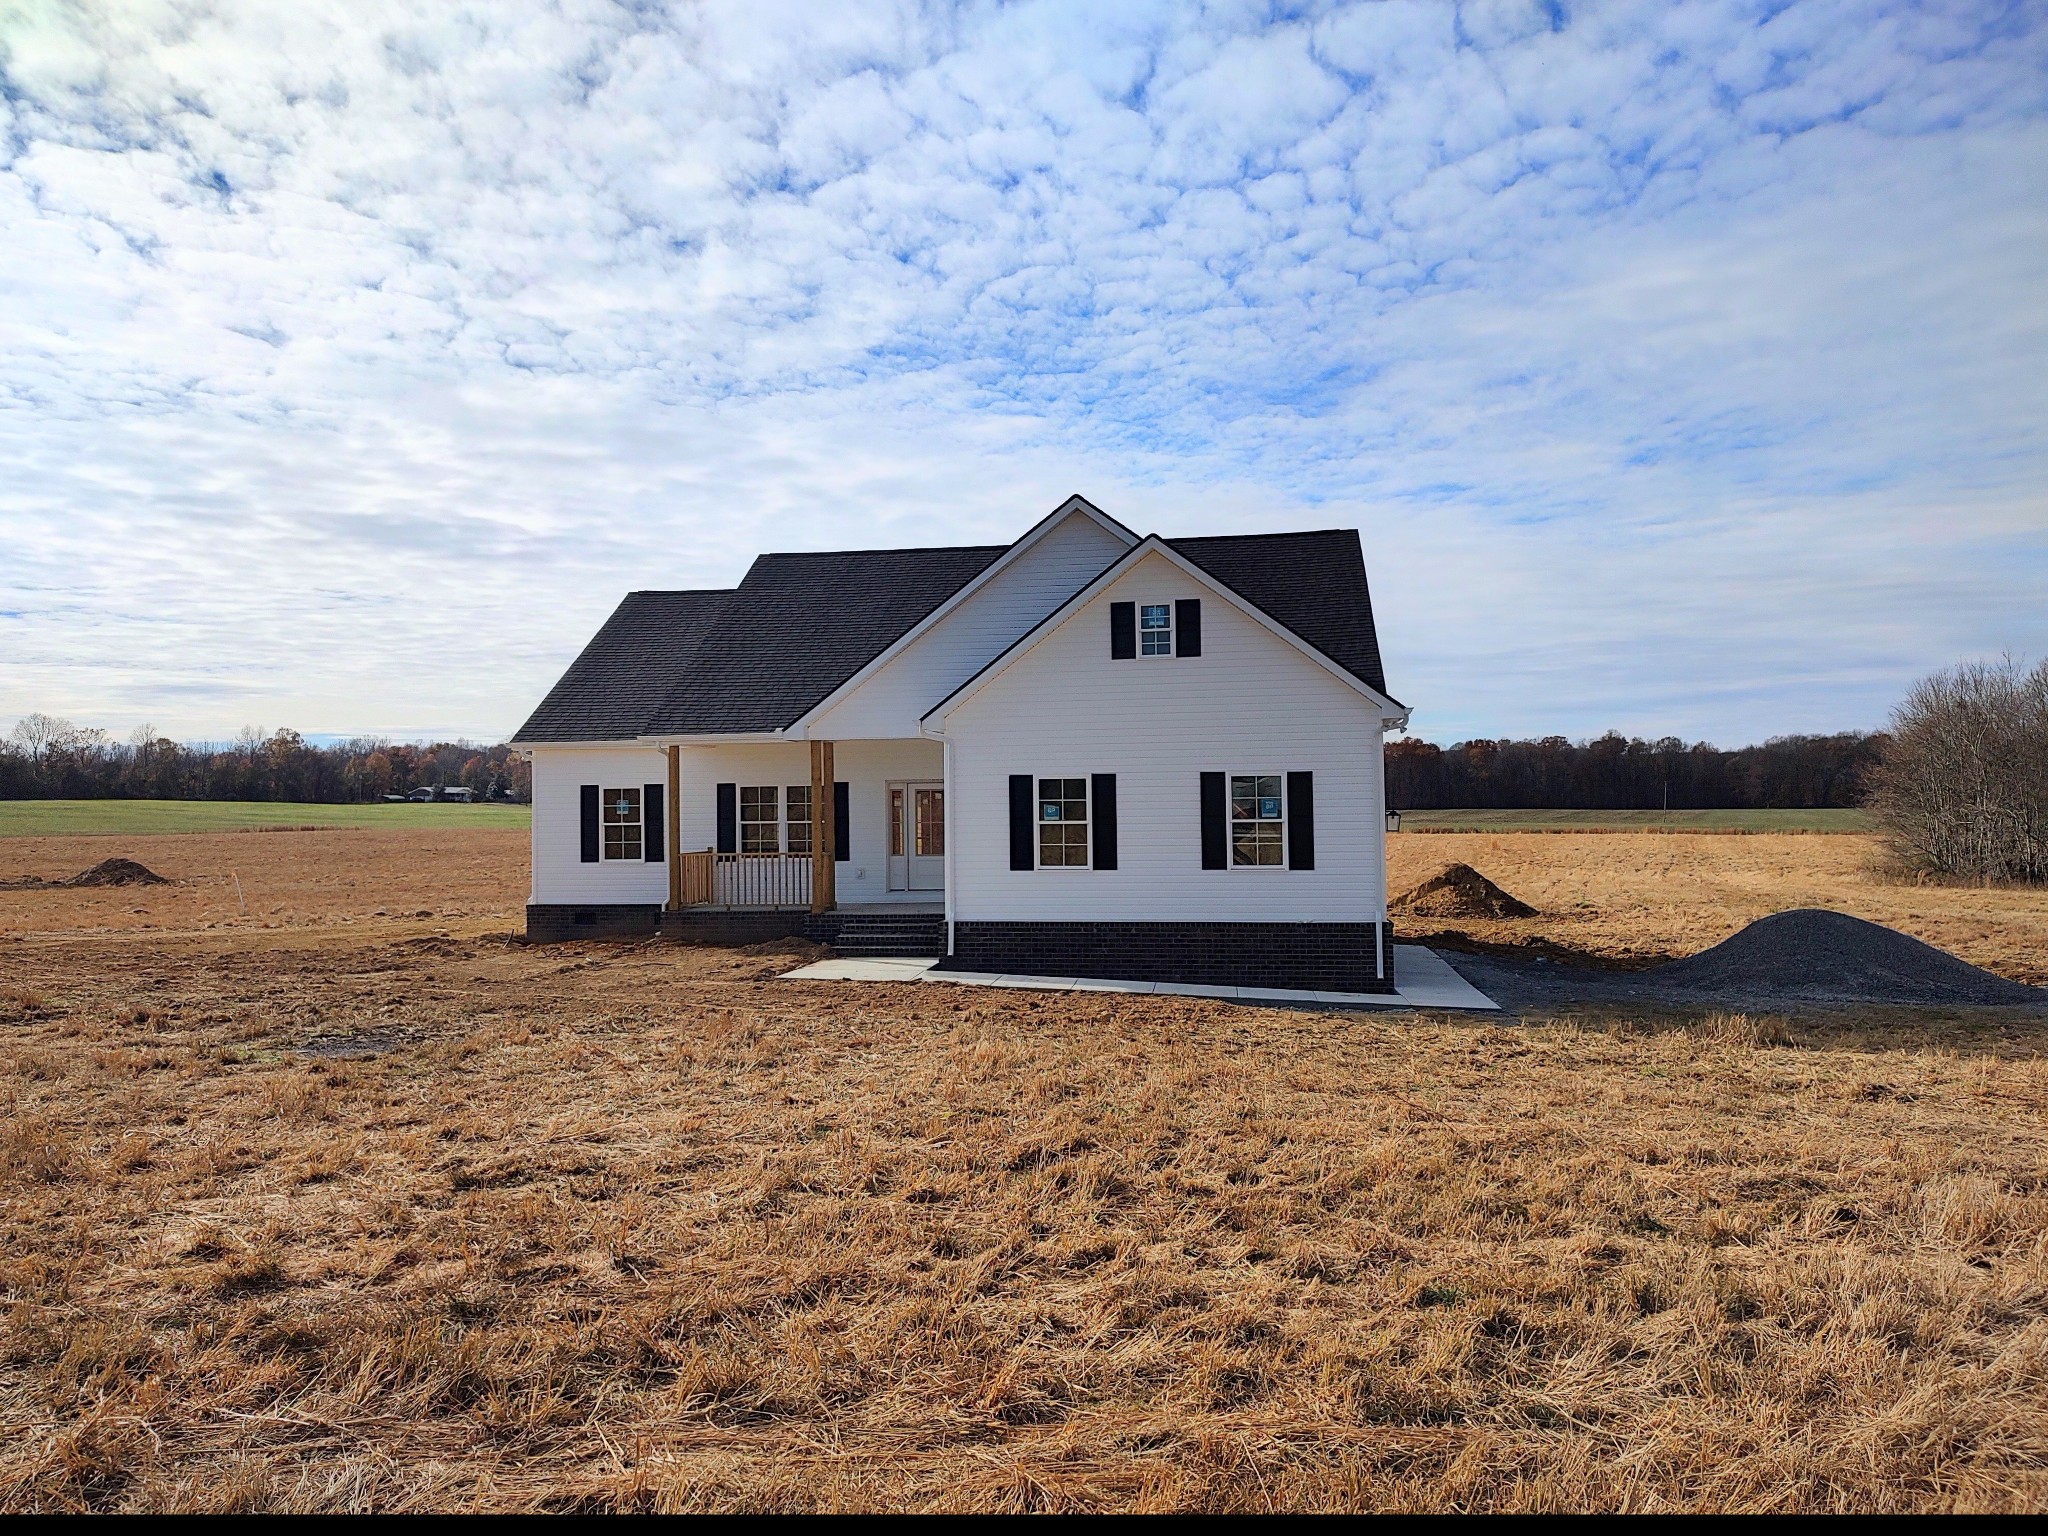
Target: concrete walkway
(1422, 980)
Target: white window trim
(638, 823)
(789, 821)
(1172, 647)
(741, 823)
(1087, 799)
(1229, 843)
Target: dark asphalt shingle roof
(800, 625)
(608, 690)
(1313, 583)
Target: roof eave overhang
(715, 738)
(521, 744)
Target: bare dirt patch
(386, 1212)
(406, 880)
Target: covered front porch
(807, 827)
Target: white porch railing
(752, 880)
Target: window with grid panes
(622, 823)
(799, 835)
(1155, 629)
(760, 825)
(1255, 820)
(1063, 823)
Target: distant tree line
(50, 759)
(1618, 773)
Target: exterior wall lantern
(1393, 819)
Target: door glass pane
(895, 823)
(931, 823)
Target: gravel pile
(1800, 959)
(1822, 956)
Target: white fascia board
(1009, 557)
(544, 746)
(715, 739)
(1152, 543)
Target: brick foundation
(1325, 957)
(550, 923)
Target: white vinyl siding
(559, 874)
(1255, 705)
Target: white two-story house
(1087, 753)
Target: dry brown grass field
(1658, 896)
(351, 1204)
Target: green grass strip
(158, 818)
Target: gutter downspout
(947, 777)
(1381, 947)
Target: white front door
(917, 837)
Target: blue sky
(1684, 366)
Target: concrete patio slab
(1424, 980)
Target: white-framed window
(760, 821)
(798, 801)
(1063, 823)
(1257, 821)
(622, 823)
(1155, 629)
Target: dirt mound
(106, 872)
(794, 948)
(1822, 956)
(118, 872)
(1459, 890)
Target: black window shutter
(590, 832)
(1187, 626)
(654, 842)
(1123, 631)
(1301, 821)
(842, 835)
(1102, 819)
(1215, 830)
(1020, 822)
(728, 818)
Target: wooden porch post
(675, 830)
(824, 893)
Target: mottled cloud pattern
(1683, 363)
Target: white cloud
(1680, 363)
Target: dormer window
(1155, 629)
